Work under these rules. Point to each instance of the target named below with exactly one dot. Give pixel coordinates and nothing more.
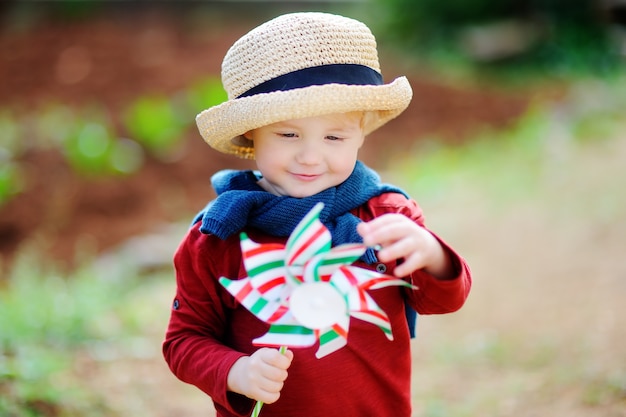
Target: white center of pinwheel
(317, 305)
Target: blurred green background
(513, 145)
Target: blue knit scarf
(242, 202)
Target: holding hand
(401, 238)
(260, 376)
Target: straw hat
(295, 66)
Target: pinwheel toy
(306, 290)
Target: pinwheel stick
(257, 407)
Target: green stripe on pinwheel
(328, 337)
(258, 306)
(347, 260)
(309, 238)
(290, 329)
(265, 267)
(305, 223)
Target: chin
(303, 194)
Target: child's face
(303, 157)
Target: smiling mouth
(306, 177)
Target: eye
(287, 135)
(333, 138)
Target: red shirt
(209, 330)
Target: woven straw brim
(222, 126)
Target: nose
(309, 153)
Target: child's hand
(401, 238)
(260, 376)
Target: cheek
(342, 163)
(344, 155)
(266, 145)
(269, 158)
(261, 149)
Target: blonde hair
(365, 117)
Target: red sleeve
(433, 296)
(436, 296)
(193, 346)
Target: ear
(362, 139)
(248, 135)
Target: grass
(48, 320)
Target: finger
(372, 232)
(389, 232)
(264, 387)
(273, 365)
(274, 358)
(377, 239)
(268, 397)
(271, 387)
(410, 264)
(398, 249)
(289, 355)
(274, 374)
